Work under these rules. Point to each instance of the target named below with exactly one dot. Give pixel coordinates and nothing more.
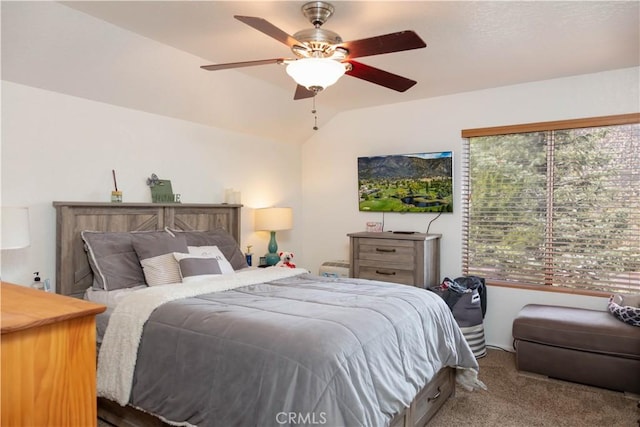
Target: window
(554, 204)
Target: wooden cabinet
(73, 274)
(410, 259)
(48, 359)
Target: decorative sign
(161, 191)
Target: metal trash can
(467, 299)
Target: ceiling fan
(322, 57)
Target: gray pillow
(220, 238)
(113, 260)
(155, 252)
(192, 265)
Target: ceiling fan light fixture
(317, 73)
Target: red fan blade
(303, 93)
(380, 77)
(216, 67)
(269, 29)
(394, 42)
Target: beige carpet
(519, 399)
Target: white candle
(228, 195)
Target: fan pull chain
(313, 111)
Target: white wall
(329, 173)
(60, 147)
(57, 144)
(57, 147)
(48, 45)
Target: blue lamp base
(272, 257)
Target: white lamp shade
(315, 72)
(273, 219)
(15, 228)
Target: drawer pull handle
(386, 273)
(385, 250)
(431, 399)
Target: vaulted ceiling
(470, 45)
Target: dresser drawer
(432, 397)
(386, 274)
(389, 251)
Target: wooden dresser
(48, 358)
(410, 259)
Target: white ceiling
(470, 45)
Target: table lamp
(15, 228)
(272, 220)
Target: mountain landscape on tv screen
(406, 183)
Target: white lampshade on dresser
(15, 228)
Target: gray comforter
(304, 350)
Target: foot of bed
(425, 405)
(126, 416)
(428, 401)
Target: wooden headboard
(73, 274)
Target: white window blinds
(557, 206)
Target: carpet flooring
(520, 399)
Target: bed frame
(73, 277)
(73, 274)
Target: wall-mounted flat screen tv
(420, 182)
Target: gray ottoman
(573, 344)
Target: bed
(273, 346)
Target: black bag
(467, 299)
(478, 283)
(452, 291)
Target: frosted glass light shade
(315, 72)
(273, 219)
(15, 228)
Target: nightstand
(48, 358)
(409, 259)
